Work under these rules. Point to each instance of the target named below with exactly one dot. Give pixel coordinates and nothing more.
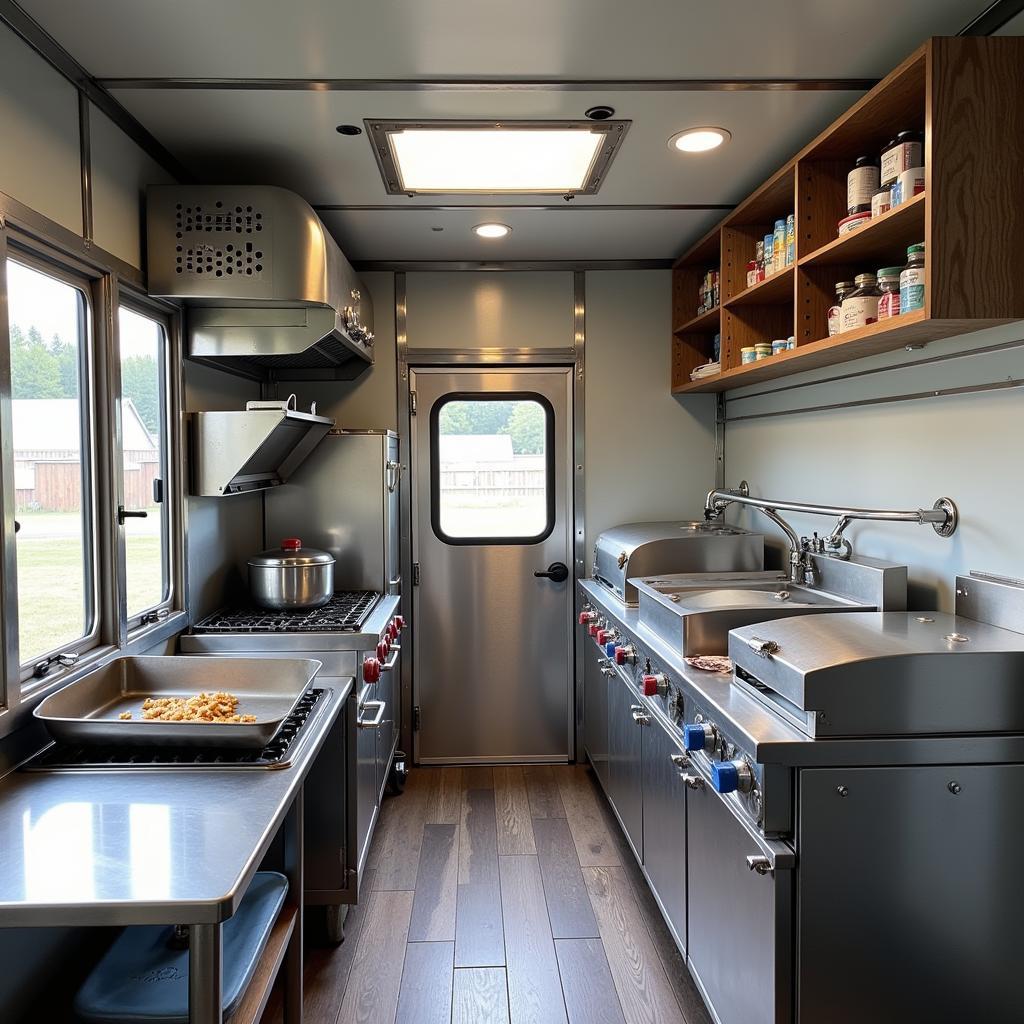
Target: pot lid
(291, 553)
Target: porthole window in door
(492, 468)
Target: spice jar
(903, 153)
(912, 280)
(843, 288)
(860, 307)
(861, 185)
(889, 286)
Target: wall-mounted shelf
(964, 93)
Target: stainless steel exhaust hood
(235, 452)
(268, 291)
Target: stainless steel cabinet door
(595, 706)
(387, 732)
(738, 939)
(392, 505)
(366, 772)
(624, 753)
(910, 900)
(664, 826)
(492, 513)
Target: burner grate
(344, 613)
(276, 754)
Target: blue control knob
(730, 776)
(609, 648)
(725, 776)
(694, 737)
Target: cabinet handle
(640, 716)
(761, 865)
(607, 670)
(681, 762)
(692, 781)
(378, 718)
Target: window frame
(33, 238)
(78, 278)
(549, 467)
(138, 621)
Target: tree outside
(523, 420)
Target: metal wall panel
(39, 155)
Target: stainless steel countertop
(361, 640)
(143, 846)
(772, 741)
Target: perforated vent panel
(202, 234)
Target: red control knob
(604, 635)
(586, 617)
(371, 669)
(654, 684)
(623, 654)
(399, 622)
(392, 630)
(593, 631)
(382, 649)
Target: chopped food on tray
(219, 708)
(710, 663)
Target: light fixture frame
(379, 133)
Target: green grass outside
(51, 585)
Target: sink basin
(695, 616)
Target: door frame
(573, 355)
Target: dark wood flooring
(501, 896)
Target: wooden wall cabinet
(967, 94)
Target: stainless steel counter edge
(138, 911)
(773, 742)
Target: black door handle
(557, 572)
(125, 513)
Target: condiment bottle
(843, 288)
(912, 280)
(860, 307)
(861, 185)
(889, 285)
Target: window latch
(127, 513)
(158, 615)
(66, 660)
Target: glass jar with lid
(912, 280)
(889, 286)
(843, 288)
(860, 307)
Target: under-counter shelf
(257, 994)
(965, 93)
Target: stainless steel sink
(694, 614)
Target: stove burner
(344, 613)
(63, 756)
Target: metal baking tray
(87, 710)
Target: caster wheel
(336, 923)
(399, 773)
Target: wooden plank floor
(506, 896)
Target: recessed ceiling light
(492, 229)
(698, 140)
(489, 157)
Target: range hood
(235, 452)
(268, 291)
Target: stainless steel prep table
(155, 847)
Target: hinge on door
(412, 402)
(416, 718)
(415, 574)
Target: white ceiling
(288, 138)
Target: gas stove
(345, 612)
(278, 753)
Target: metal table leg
(293, 858)
(205, 974)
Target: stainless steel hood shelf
(269, 293)
(235, 452)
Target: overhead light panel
(492, 158)
(699, 140)
(492, 229)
